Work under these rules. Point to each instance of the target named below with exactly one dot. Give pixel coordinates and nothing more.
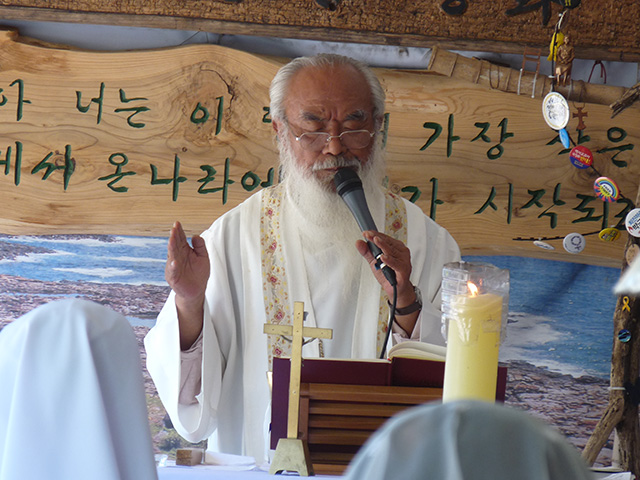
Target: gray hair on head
(280, 83)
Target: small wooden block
(189, 456)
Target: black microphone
(349, 187)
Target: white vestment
(72, 402)
(233, 404)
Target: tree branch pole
(622, 411)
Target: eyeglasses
(352, 139)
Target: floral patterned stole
(278, 306)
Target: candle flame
(473, 290)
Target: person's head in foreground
(72, 401)
(467, 440)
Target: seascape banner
(557, 350)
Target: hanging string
(554, 48)
(603, 71)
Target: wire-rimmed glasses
(351, 139)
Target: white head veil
(72, 403)
(467, 440)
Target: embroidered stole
(278, 307)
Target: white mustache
(336, 162)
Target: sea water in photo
(103, 259)
(100, 259)
(560, 313)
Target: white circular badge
(632, 222)
(574, 243)
(555, 110)
(544, 245)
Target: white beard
(321, 216)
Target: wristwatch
(413, 307)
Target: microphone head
(346, 180)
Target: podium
(342, 402)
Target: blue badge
(624, 335)
(564, 138)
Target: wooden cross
(580, 115)
(292, 454)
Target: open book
(413, 349)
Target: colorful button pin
(632, 222)
(574, 243)
(606, 189)
(624, 335)
(609, 234)
(581, 157)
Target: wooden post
(292, 453)
(622, 412)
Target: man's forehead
(316, 93)
(323, 112)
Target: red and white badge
(581, 157)
(632, 222)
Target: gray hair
(280, 83)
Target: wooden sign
(129, 142)
(126, 142)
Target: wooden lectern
(342, 402)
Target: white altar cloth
(215, 472)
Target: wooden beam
(510, 80)
(605, 30)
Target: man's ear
(276, 126)
(378, 122)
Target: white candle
(473, 343)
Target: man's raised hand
(187, 271)
(187, 267)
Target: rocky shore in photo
(572, 405)
(11, 251)
(19, 296)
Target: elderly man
(296, 241)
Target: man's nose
(334, 146)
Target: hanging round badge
(609, 234)
(624, 335)
(555, 110)
(632, 222)
(606, 189)
(574, 243)
(543, 245)
(581, 157)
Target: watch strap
(413, 307)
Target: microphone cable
(392, 318)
